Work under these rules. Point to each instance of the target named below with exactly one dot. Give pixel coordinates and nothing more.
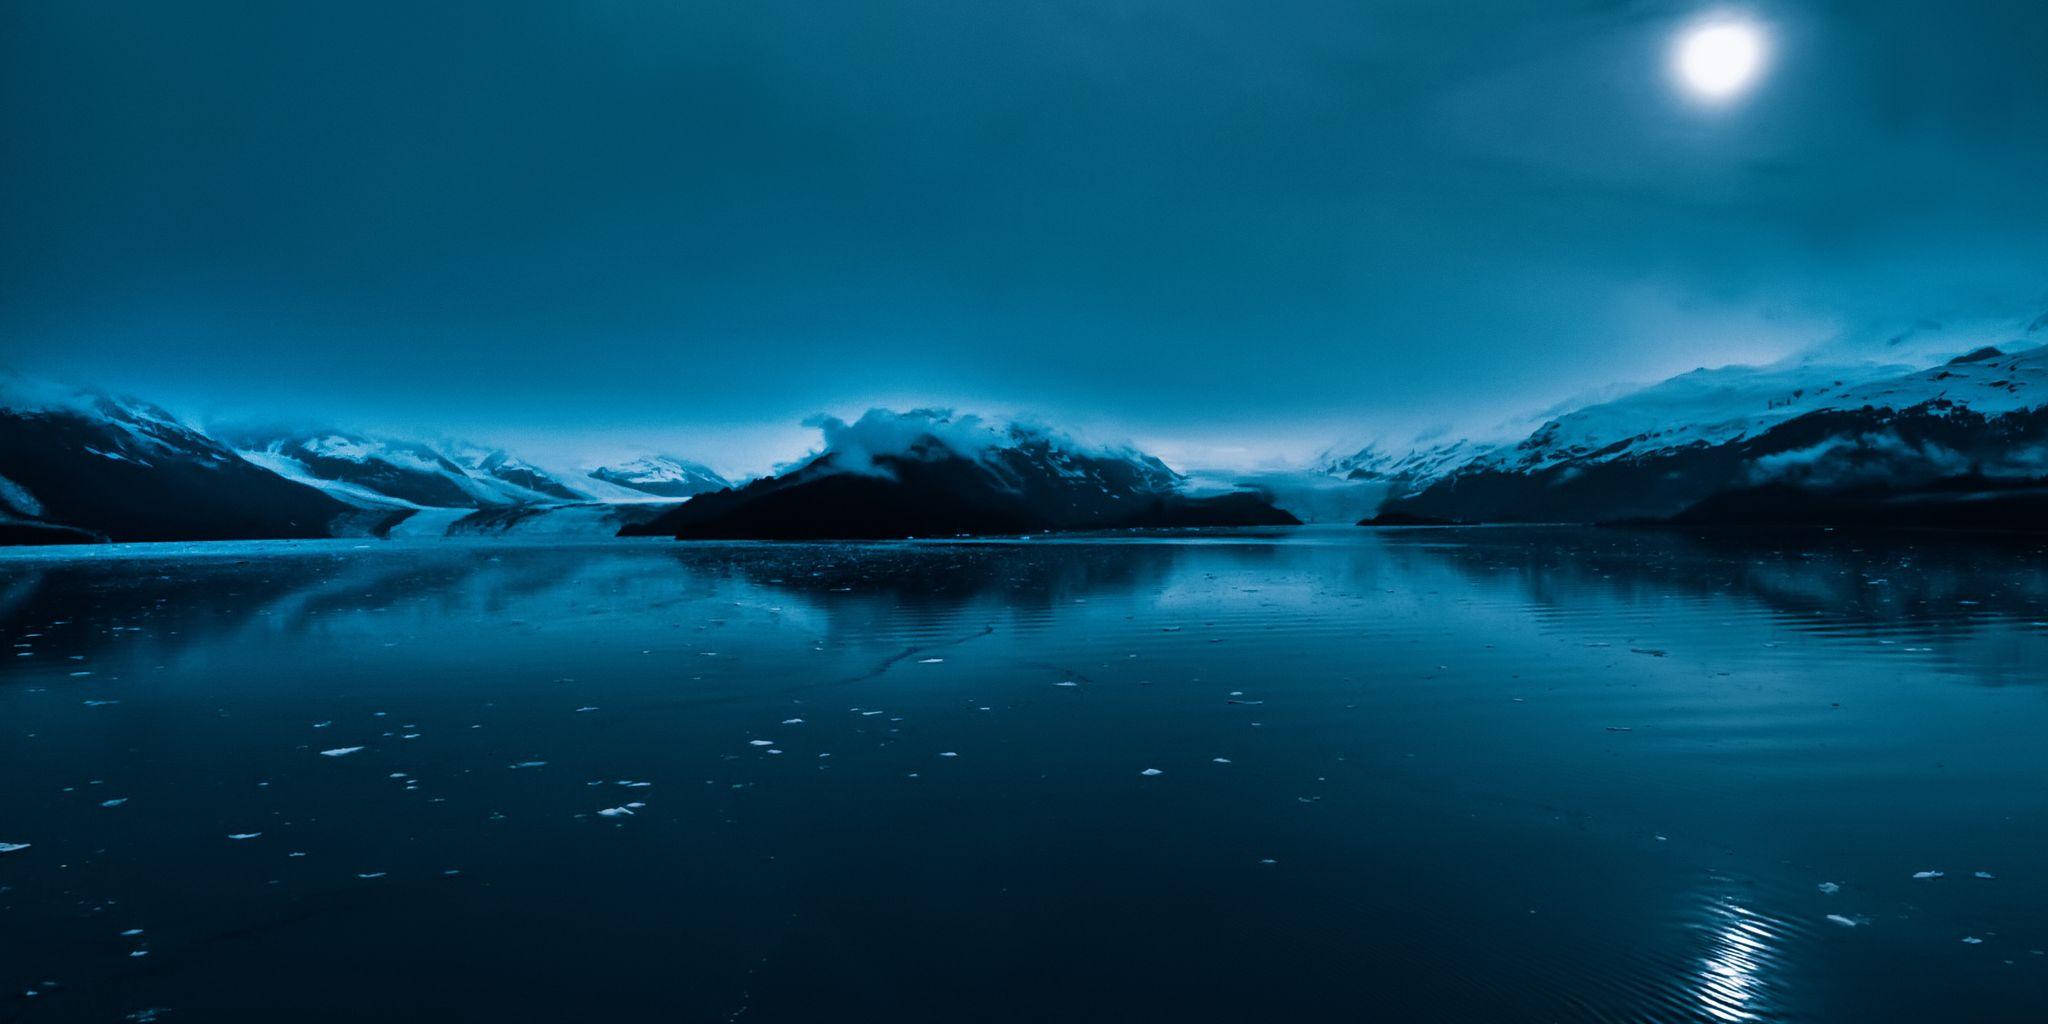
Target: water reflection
(1469, 775)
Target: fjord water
(1457, 775)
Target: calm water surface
(1470, 775)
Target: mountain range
(1960, 443)
(1963, 442)
(78, 465)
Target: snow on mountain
(119, 468)
(371, 472)
(1704, 407)
(882, 440)
(1404, 469)
(661, 476)
(1711, 407)
(384, 473)
(1663, 448)
(932, 473)
(519, 482)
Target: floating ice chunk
(623, 810)
(929, 661)
(1972, 940)
(1928, 874)
(792, 721)
(238, 836)
(1830, 888)
(760, 743)
(585, 708)
(1267, 860)
(948, 753)
(11, 847)
(1219, 760)
(1151, 771)
(116, 802)
(100, 703)
(528, 764)
(322, 725)
(339, 752)
(370, 874)
(1846, 922)
(1068, 682)
(1983, 874)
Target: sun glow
(1719, 60)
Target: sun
(1719, 60)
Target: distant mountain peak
(664, 476)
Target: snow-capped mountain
(80, 465)
(514, 479)
(930, 473)
(368, 472)
(1404, 470)
(382, 473)
(662, 476)
(1972, 424)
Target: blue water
(1446, 775)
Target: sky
(1236, 233)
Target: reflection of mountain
(894, 597)
(1829, 582)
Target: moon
(1718, 61)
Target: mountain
(1404, 470)
(929, 473)
(78, 465)
(382, 473)
(368, 472)
(662, 476)
(1863, 436)
(513, 479)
